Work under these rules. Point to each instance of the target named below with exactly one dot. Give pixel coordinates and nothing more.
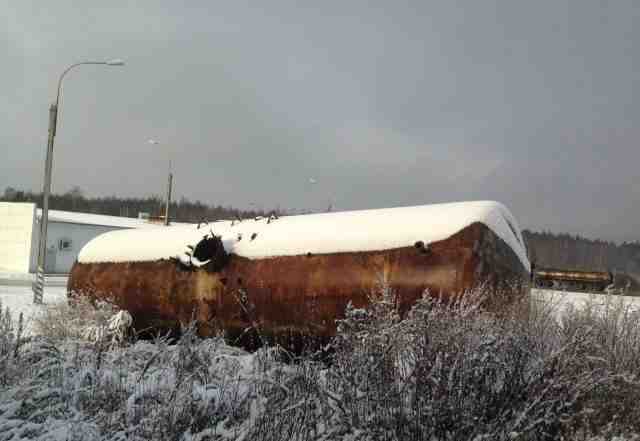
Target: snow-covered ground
(19, 299)
(27, 279)
(561, 300)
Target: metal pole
(38, 287)
(168, 201)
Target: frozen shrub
(614, 334)
(445, 370)
(79, 318)
(11, 341)
(451, 371)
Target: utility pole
(38, 287)
(168, 202)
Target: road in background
(12, 279)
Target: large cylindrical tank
(575, 280)
(295, 274)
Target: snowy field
(19, 299)
(561, 300)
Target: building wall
(17, 225)
(61, 260)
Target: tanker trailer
(294, 275)
(572, 280)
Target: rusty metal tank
(294, 275)
(573, 280)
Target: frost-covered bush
(445, 370)
(449, 370)
(614, 344)
(78, 318)
(12, 338)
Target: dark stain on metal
(420, 246)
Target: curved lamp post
(38, 287)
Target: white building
(67, 233)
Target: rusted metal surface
(304, 294)
(572, 279)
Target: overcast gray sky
(382, 103)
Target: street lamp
(169, 185)
(38, 287)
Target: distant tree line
(563, 250)
(182, 210)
